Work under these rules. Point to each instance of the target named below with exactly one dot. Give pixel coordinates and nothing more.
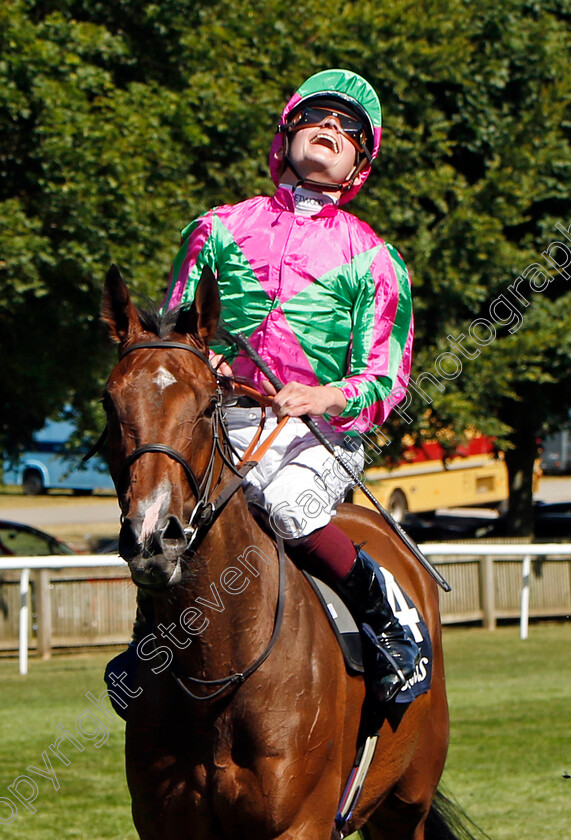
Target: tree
(91, 173)
(120, 122)
(497, 128)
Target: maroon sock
(326, 553)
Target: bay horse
(255, 735)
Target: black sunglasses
(313, 115)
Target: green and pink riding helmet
(349, 96)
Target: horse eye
(209, 411)
(107, 404)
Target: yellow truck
(424, 480)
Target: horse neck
(227, 606)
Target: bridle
(205, 512)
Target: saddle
(342, 623)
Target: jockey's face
(322, 153)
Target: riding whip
(242, 342)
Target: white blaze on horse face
(150, 510)
(163, 378)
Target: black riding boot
(121, 671)
(396, 653)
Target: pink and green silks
(322, 299)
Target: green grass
(509, 758)
(510, 753)
(92, 801)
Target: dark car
(441, 527)
(19, 540)
(552, 520)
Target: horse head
(160, 402)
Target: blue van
(45, 466)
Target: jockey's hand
(215, 359)
(296, 399)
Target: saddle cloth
(349, 637)
(348, 634)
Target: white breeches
(297, 481)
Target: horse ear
(118, 311)
(202, 317)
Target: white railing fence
(44, 563)
(442, 554)
(492, 552)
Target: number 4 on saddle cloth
(351, 640)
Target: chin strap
(310, 182)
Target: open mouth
(326, 139)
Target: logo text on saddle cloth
(414, 625)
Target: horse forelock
(164, 323)
(160, 323)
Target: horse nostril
(174, 530)
(129, 544)
(170, 540)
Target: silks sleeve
(197, 249)
(381, 349)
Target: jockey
(326, 303)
